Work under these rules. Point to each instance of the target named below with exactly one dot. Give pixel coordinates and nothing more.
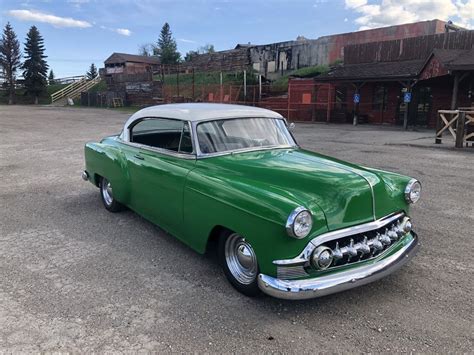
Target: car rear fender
(107, 160)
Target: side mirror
(291, 126)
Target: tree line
(34, 67)
(166, 48)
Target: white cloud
(186, 40)
(57, 21)
(123, 31)
(78, 3)
(120, 31)
(346, 19)
(394, 12)
(352, 4)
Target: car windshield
(242, 133)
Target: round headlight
(413, 191)
(299, 223)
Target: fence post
(220, 87)
(245, 85)
(194, 99)
(438, 127)
(460, 129)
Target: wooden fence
(458, 123)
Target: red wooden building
(391, 82)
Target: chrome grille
(346, 246)
(368, 245)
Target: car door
(162, 159)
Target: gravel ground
(75, 277)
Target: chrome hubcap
(107, 192)
(240, 259)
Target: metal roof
(124, 57)
(202, 111)
(460, 59)
(374, 71)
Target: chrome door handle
(138, 156)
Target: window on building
(379, 101)
(340, 99)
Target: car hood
(345, 193)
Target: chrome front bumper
(339, 281)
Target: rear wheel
(108, 200)
(239, 262)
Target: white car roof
(201, 112)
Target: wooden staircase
(74, 90)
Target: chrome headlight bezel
(293, 218)
(411, 187)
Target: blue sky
(79, 32)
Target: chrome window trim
(305, 255)
(163, 151)
(124, 137)
(201, 155)
(159, 150)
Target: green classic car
(286, 221)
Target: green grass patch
(208, 78)
(99, 87)
(281, 84)
(22, 98)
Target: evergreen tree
(92, 73)
(35, 68)
(10, 58)
(167, 48)
(51, 77)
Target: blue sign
(356, 98)
(407, 97)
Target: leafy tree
(167, 48)
(10, 56)
(208, 48)
(190, 55)
(146, 49)
(51, 77)
(35, 68)
(92, 73)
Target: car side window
(163, 133)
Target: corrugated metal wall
(407, 48)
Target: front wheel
(108, 200)
(239, 262)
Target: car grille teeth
(364, 246)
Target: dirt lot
(75, 277)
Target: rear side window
(173, 135)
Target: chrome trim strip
(339, 281)
(159, 150)
(304, 256)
